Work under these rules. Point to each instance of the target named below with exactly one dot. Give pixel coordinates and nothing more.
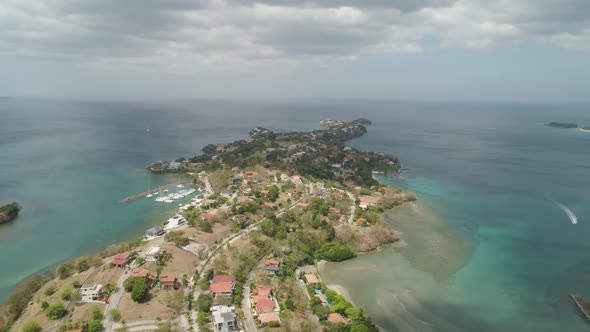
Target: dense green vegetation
(321, 154)
(358, 322)
(55, 311)
(9, 211)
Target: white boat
(149, 196)
(180, 186)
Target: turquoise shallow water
(486, 248)
(491, 177)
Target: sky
(472, 50)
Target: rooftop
(268, 317)
(223, 279)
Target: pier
(579, 301)
(153, 191)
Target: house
(154, 231)
(264, 292)
(310, 278)
(153, 254)
(235, 168)
(320, 185)
(167, 281)
(268, 317)
(250, 174)
(140, 273)
(348, 183)
(296, 179)
(322, 297)
(336, 318)
(334, 210)
(303, 205)
(222, 285)
(120, 260)
(209, 202)
(224, 318)
(284, 177)
(336, 193)
(271, 265)
(90, 292)
(265, 305)
(361, 221)
(364, 204)
(207, 216)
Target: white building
(153, 254)
(90, 292)
(224, 318)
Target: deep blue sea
(485, 249)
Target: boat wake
(568, 212)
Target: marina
(153, 192)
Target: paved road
(352, 207)
(250, 325)
(115, 297)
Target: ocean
(486, 248)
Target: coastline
(341, 195)
(584, 130)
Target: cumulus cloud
(181, 35)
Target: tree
(114, 315)
(204, 302)
(55, 311)
(96, 314)
(94, 326)
(335, 252)
(32, 326)
(66, 294)
(129, 283)
(140, 291)
(64, 270)
(44, 305)
(202, 318)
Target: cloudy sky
(498, 50)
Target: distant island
(585, 128)
(8, 212)
(562, 125)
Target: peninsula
(562, 125)
(9, 212)
(243, 253)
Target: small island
(9, 212)
(562, 125)
(585, 129)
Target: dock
(145, 193)
(579, 300)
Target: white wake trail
(570, 213)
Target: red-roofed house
(311, 278)
(334, 210)
(250, 174)
(271, 265)
(167, 281)
(264, 292)
(221, 289)
(336, 318)
(323, 299)
(223, 279)
(348, 183)
(140, 273)
(269, 317)
(265, 305)
(207, 216)
(222, 285)
(361, 221)
(120, 259)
